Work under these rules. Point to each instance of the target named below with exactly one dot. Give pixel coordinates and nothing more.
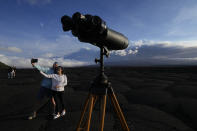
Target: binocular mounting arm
(103, 51)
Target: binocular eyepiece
(93, 29)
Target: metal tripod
(100, 88)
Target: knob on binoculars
(93, 29)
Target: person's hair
(55, 63)
(57, 68)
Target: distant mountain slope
(2, 65)
(83, 55)
(145, 55)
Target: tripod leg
(94, 102)
(119, 112)
(83, 113)
(92, 97)
(103, 106)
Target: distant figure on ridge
(11, 72)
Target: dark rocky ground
(152, 99)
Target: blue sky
(32, 28)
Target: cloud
(141, 52)
(37, 46)
(164, 49)
(41, 24)
(49, 51)
(186, 14)
(15, 61)
(11, 49)
(87, 48)
(48, 55)
(125, 52)
(155, 51)
(184, 23)
(61, 61)
(34, 2)
(133, 51)
(119, 52)
(177, 31)
(148, 54)
(21, 62)
(170, 54)
(183, 44)
(63, 44)
(145, 52)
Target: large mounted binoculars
(93, 29)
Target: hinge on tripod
(106, 51)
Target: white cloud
(21, 62)
(14, 49)
(183, 44)
(188, 59)
(66, 44)
(175, 58)
(61, 61)
(186, 14)
(11, 49)
(125, 52)
(184, 23)
(176, 31)
(134, 46)
(120, 52)
(133, 51)
(15, 61)
(37, 46)
(34, 2)
(48, 55)
(41, 24)
(87, 48)
(158, 50)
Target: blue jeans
(44, 91)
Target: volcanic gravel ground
(151, 98)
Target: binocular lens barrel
(93, 29)
(115, 40)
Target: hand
(33, 64)
(57, 87)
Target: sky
(32, 28)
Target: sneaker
(56, 116)
(63, 113)
(32, 116)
